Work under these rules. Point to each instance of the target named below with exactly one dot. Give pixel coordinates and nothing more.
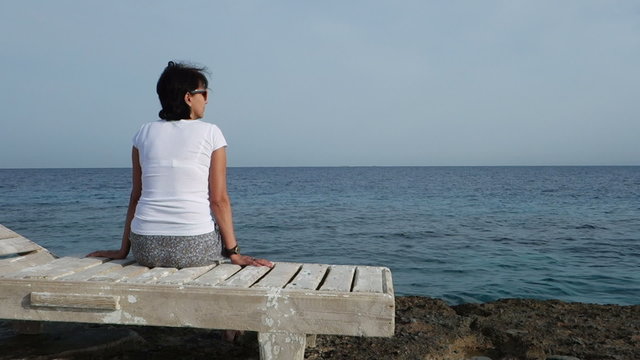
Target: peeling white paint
(273, 294)
(274, 311)
(281, 345)
(268, 321)
(117, 316)
(112, 317)
(132, 299)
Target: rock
(68, 340)
(426, 328)
(536, 329)
(516, 332)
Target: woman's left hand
(248, 260)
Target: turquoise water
(463, 234)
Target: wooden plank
(262, 310)
(281, 345)
(121, 274)
(151, 276)
(18, 263)
(185, 275)
(309, 277)
(245, 277)
(339, 278)
(311, 340)
(387, 284)
(368, 279)
(217, 275)
(16, 245)
(6, 233)
(56, 268)
(279, 276)
(87, 274)
(75, 301)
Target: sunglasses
(204, 92)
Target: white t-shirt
(175, 157)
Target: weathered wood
(185, 275)
(339, 278)
(118, 275)
(263, 310)
(245, 277)
(387, 284)
(151, 276)
(17, 245)
(217, 275)
(368, 279)
(311, 340)
(74, 301)
(6, 233)
(279, 276)
(15, 264)
(281, 346)
(282, 303)
(101, 269)
(56, 268)
(309, 277)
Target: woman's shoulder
(206, 123)
(145, 128)
(152, 123)
(210, 126)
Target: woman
(178, 181)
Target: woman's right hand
(111, 254)
(243, 260)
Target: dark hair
(176, 80)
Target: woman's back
(175, 157)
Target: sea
(461, 234)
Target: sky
(329, 83)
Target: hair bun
(171, 64)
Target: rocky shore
(426, 328)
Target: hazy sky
(314, 83)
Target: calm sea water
(463, 234)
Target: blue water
(463, 234)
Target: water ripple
(464, 234)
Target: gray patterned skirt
(177, 251)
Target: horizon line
(328, 166)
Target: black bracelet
(233, 251)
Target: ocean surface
(463, 234)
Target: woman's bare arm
(221, 208)
(136, 192)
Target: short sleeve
(217, 139)
(137, 137)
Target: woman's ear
(187, 99)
